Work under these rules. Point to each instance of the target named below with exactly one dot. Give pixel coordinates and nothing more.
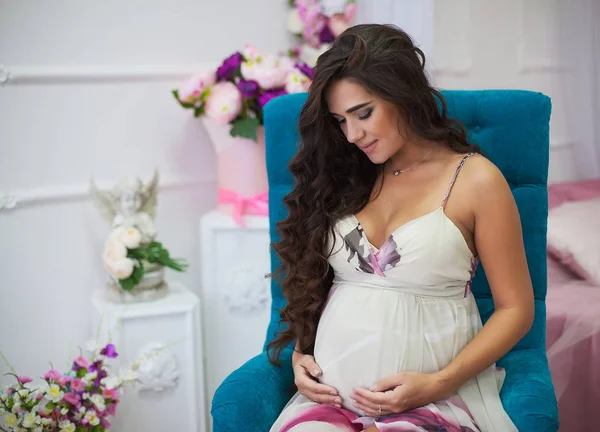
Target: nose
(353, 132)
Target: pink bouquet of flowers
(236, 92)
(83, 399)
(317, 23)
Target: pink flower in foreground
(77, 385)
(110, 394)
(191, 90)
(64, 380)
(350, 12)
(53, 375)
(224, 102)
(81, 362)
(24, 379)
(338, 24)
(71, 398)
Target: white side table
(170, 396)
(236, 295)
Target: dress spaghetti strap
(460, 165)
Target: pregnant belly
(363, 338)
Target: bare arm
(499, 242)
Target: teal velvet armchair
(512, 128)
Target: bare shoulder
(483, 176)
(487, 186)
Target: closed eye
(366, 115)
(360, 117)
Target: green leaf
(183, 104)
(245, 128)
(98, 428)
(127, 284)
(138, 273)
(292, 3)
(199, 111)
(153, 252)
(137, 253)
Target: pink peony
(77, 385)
(71, 398)
(251, 53)
(24, 379)
(110, 394)
(270, 73)
(224, 102)
(338, 24)
(297, 82)
(191, 90)
(350, 12)
(53, 375)
(81, 362)
(64, 380)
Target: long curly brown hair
(334, 179)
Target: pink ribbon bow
(256, 205)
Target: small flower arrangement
(125, 254)
(83, 399)
(236, 92)
(317, 23)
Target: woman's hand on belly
(306, 371)
(399, 393)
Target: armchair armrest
(252, 397)
(528, 394)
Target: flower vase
(242, 173)
(151, 287)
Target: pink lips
(369, 147)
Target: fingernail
(316, 372)
(338, 400)
(333, 393)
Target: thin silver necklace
(397, 172)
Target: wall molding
(48, 74)
(560, 143)
(11, 200)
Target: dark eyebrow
(355, 108)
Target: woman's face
(369, 122)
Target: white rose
(30, 420)
(111, 382)
(294, 22)
(115, 249)
(92, 418)
(11, 420)
(131, 237)
(122, 269)
(98, 400)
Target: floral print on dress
(469, 284)
(362, 257)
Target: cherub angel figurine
(129, 204)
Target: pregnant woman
(391, 212)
